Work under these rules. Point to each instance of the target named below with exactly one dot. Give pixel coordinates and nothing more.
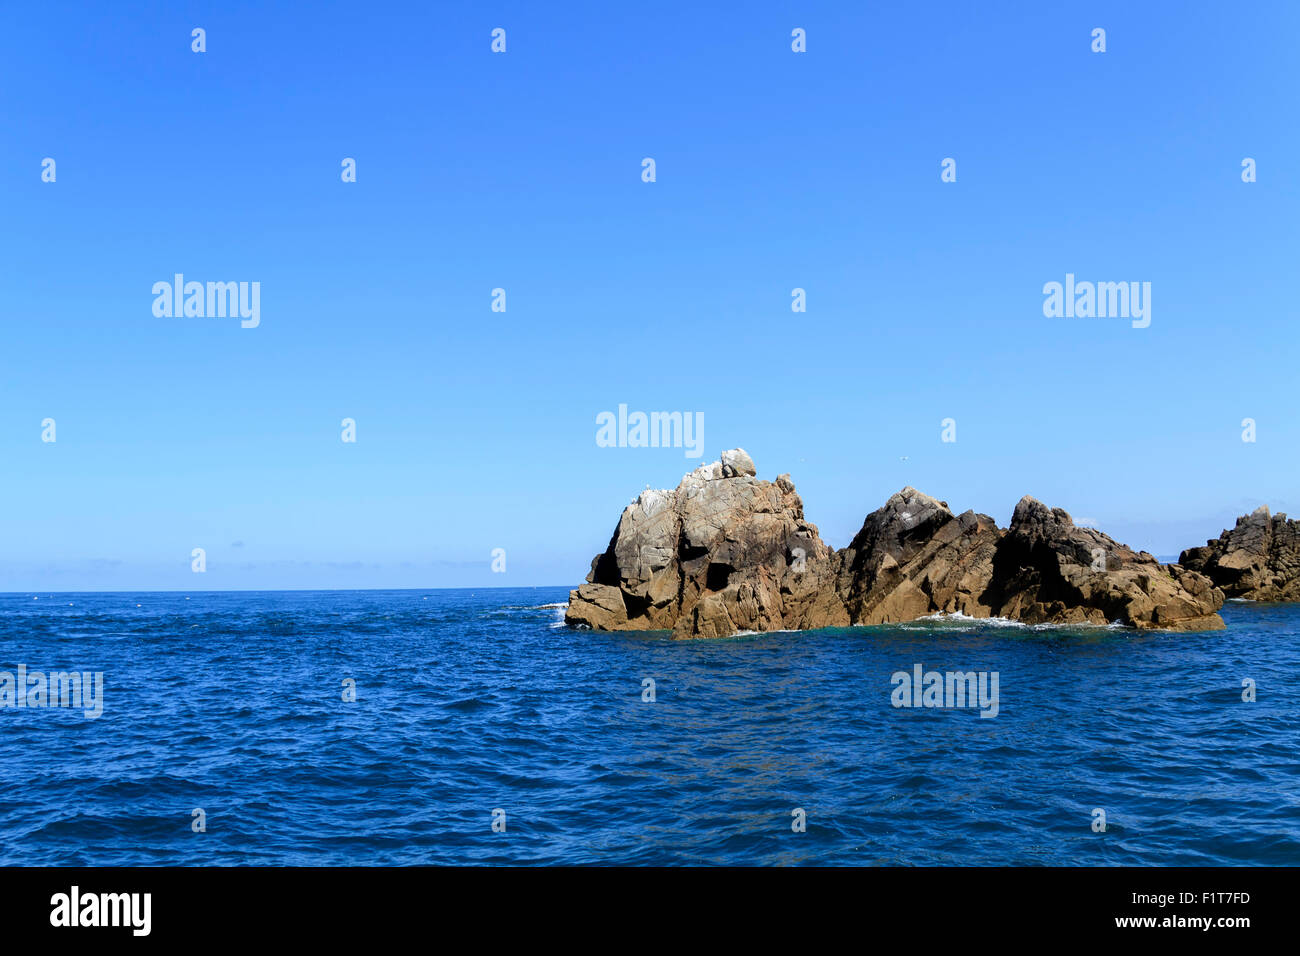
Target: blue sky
(775, 170)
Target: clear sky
(523, 171)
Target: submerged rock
(727, 552)
(1259, 559)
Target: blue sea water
(470, 702)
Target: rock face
(1258, 560)
(913, 558)
(727, 552)
(724, 552)
(1048, 571)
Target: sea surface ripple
(474, 701)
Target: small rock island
(1258, 560)
(727, 552)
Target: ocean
(483, 731)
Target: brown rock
(722, 553)
(726, 552)
(1048, 571)
(1258, 560)
(913, 558)
(598, 606)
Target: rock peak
(909, 497)
(1030, 510)
(734, 463)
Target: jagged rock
(598, 606)
(914, 557)
(1047, 570)
(736, 462)
(724, 552)
(1259, 559)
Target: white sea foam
(965, 620)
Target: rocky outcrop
(913, 557)
(726, 552)
(1258, 560)
(1049, 571)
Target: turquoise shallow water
(468, 702)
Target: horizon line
(494, 587)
